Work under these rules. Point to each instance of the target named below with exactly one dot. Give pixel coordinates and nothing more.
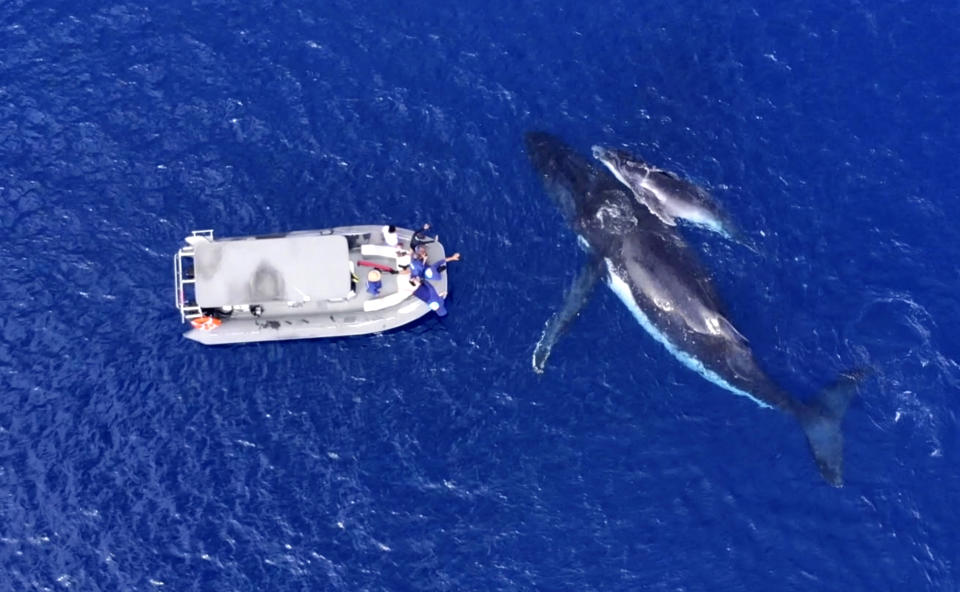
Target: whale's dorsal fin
(650, 200)
(656, 170)
(576, 297)
(728, 330)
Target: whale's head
(567, 176)
(604, 154)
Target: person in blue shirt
(433, 270)
(418, 261)
(374, 283)
(427, 293)
(419, 267)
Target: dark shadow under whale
(653, 271)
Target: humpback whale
(656, 275)
(667, 196)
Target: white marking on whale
(623, 292)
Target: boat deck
(354, 313)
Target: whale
(665, 194)
(653, 271)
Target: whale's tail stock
(821, 421)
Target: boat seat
(384, 302)
(404, 289)
(385, 251)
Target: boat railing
(188, 309)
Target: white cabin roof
(283, 269)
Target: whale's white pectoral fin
(576, 297)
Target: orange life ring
(206, 323)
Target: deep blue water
(434, 458)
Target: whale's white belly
(623, 292)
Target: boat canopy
(284, 269)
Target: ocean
(433, 457)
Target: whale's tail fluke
(821, 421)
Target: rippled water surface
(433, 458)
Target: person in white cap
(374, 284)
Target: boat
(301, 285)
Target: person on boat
(420, 238)
(427, 293)
(390, 236)
(420, 267)
(433, 270)
(418, 261)
(374, 283)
